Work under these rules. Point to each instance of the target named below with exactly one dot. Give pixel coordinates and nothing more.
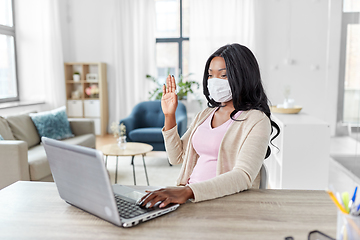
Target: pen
(355, 210)
(351, 202)
(332, 196)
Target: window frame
(178, 40)
(10, 31)
(346, 19)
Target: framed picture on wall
(91, 77)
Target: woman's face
(217, 68)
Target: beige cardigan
(241, 155)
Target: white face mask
(219, 89)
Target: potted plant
(76, 76)
(184, 87)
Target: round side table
(132, 149)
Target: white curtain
(134, 31)
(214, 23)
(39, 52)
(53, 62)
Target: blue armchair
(146, 120)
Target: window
(349, 78)
(172, 38)
(351, 6)
(8, 78)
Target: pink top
(206, 142)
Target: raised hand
(169, 100)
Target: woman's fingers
(145, 199)
(166, 196)
(168, 82)
(166, 202)
(153, 201)
(170, 85)
(173, 84)
(152, 198)
(146, 196)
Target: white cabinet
(92, 108)
(303, 159)
(75, 108)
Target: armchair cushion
(24, 129)
(5, 130)
(147, 135)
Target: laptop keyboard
(128, 209)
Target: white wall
(87, 36)
(299, 44)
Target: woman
(224, 148)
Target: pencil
(332, 196)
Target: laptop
(83, 181)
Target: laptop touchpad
(128, 192)
(134, 195)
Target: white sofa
(22, 156)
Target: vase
(76, 77)
(122, 142)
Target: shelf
(72, 81)
(91, 98)
(81, 81)
(82, 105)
(82, 63)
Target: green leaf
(183, 87)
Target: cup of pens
(348, 217)
(348, 226)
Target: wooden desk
(34, 210)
